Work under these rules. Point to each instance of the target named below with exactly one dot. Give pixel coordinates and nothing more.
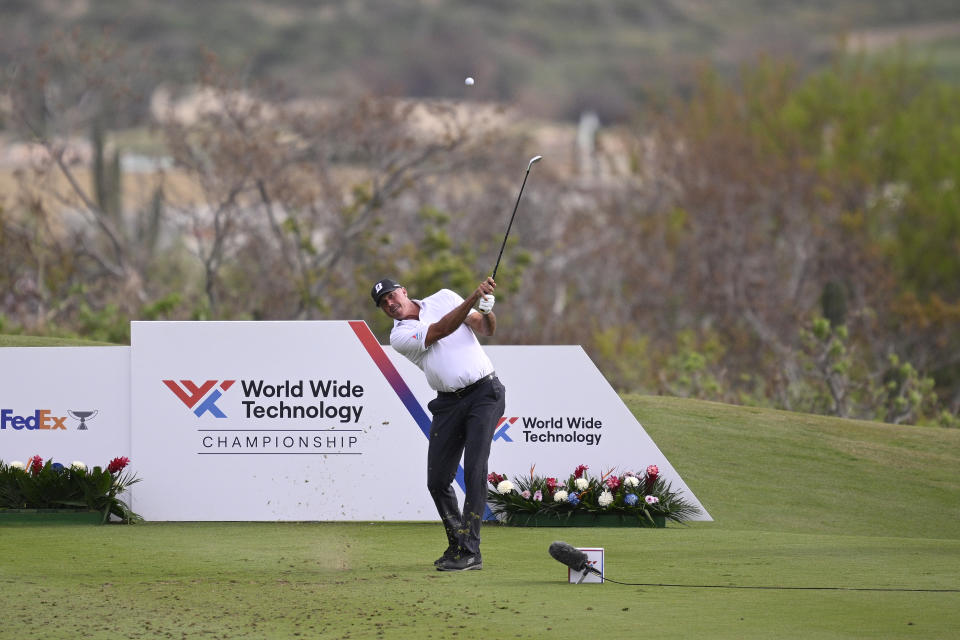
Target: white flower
(16, 464)
(605, 499)
(652, 499)
(631, 481)
(581, 483)
(77, 465)
(505, 487)
(560, 496)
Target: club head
(532, 160)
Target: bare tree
(60, 96)
(285, 201)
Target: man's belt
(459, 393)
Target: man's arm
(483, 324)
(452, 320)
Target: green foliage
(792, 179)
(162, 308)
(947, 419)
(693, 368)
(50, 485)
(623, 355)
(106, 324)
(906, 396)
(887, 132)
(690, 366)
(839, 381)
(828, 363)
(441, 261)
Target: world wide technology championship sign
(318, 421)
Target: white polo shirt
(450, 363)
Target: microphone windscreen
(568, 555)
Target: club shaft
(510, 225)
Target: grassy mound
(768, 470)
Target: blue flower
(57, 466)
(631, 499)
(573, 499)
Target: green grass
(870, 509)
(764, 470)
(351, 580)
(9, 340)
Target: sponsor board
(269, 421)
(318, 421)
(65, 404)
(560, 413)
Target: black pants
(463, 426)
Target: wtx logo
(196, 398)
(500, 431)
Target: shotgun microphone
(572, 557)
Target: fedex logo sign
(199, 397)
(39, 419)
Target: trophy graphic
(82, 416)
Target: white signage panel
(270, 421)
(65, 404)
(560, 413)
(317, 421)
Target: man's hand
(485, 322)
(485, 288)
(483, 325)
(485, 305)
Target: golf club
(529, 164)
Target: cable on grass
(779, 588)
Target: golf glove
(486, 303)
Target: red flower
(613, 482)
(652, 473)
(578, 472)
(551, 484)
(117, 464)
(35, 464)
(495, 478)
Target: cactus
(106, 176)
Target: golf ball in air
(468, 81)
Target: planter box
(583, 520)
(49, 516)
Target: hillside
(554, 58)
(769, 470)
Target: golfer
(439, 335)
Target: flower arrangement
(52, 485)
(645, 496)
